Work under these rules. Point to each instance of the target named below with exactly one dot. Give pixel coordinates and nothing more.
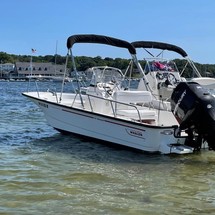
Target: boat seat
(134, 97)
(145, 114)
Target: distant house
(25, 69)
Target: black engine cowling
(194, 108)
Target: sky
(45, 25)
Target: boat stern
(170, 144)
(175, 148)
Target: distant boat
(60, 79)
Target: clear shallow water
(45, 172)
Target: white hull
(108, 109)
(139, 136)
(206, 82)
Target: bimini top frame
(99, 39)
(159, 45)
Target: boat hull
(139, 136)
(206, 82)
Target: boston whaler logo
(136, 133)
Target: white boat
(107, 112)
(163, 74)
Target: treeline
(83, 62)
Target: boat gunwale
(100, 115)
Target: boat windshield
(105, 75)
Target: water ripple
(45, 172)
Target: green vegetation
(83, 62)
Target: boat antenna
(55, 60)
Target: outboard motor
(194, 109)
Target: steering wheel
(171, 79)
